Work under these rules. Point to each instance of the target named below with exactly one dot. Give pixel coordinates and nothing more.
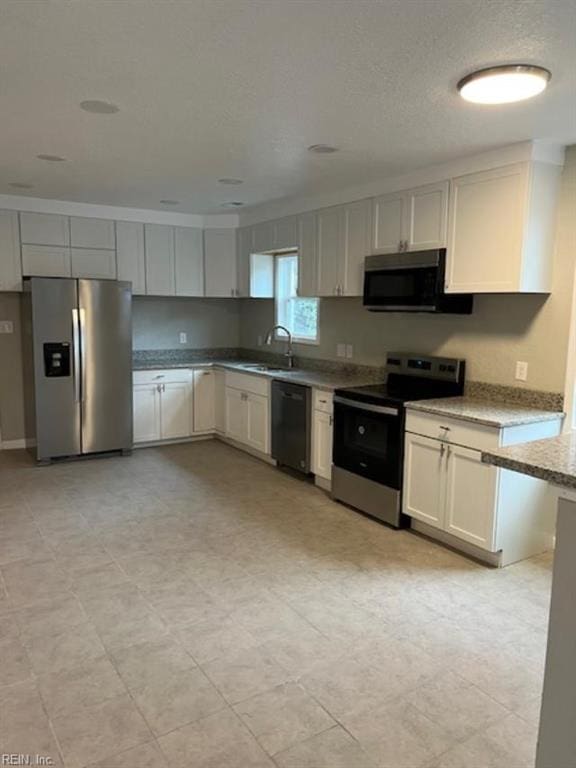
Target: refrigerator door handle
(76, 353)
(82, 324)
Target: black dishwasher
(291, 425)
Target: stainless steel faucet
(289, 354)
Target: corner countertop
(310, 378)
(487, 412)
(553, 459)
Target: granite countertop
(310, 378)
(553, 459)
(488, 412)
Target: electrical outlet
(349, 351)
(6, 326)
(260, 341)
(183, 337)
(521, 370)
(341, 350)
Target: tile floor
(193, 607)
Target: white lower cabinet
(163, 402)
(322, 433)
(236, 417)
(457, 497)
(220, 401)
(257, 422)
(204, 401)
(247, 406)
(176, 409)
(146, 404)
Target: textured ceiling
(240, 88)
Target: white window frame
(279, 335)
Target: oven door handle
(383, 409)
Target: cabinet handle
(442, 450)
(446, 429)
(448, 453)
(331, 422)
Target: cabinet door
(236, 427)
(307, 256)
(264, 237)
(245, 249)
(130, 260)
(146, 413)
(330, 229)
(176, 409)
(471, 497)
(388, 227)
(220, 262)
(485, 230)
(356, 246)
(159, 250)
(189, 261)
(220, 401)
(204, 401)
(46, 261)
(287, 233)
(93, 263)
(257, 422)
(44, 229)
(322, 431)
(92, 233)
(424, 479)
(10, 261)
(427, 212)
(262, 275)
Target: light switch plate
(521, 370)
(341, 350)
(6, 326)
(349, 351)
(183, 337)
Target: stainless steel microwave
(411, 282)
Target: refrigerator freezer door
(105, 314)
(57, 409)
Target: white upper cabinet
(330, 233)
(245, 247)
(92, 233)
(264, 237)
(10, 262)
(189, 261)
(307, 255)
(160, 267)
(220, 263)
(131, 263)
(355, 246)
(95, 263)
(46, 261)
(412, 220)
(44, 229)
(388, 223)
(501, 229)
(286, 233)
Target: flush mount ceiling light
(170, 202)
(322, 149)
(20, 185)
(98, 107)
(505, 84)
(230, 181)
(52, 158)
(232, 204)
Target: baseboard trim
(11, 445)
(463, 547)
(247, 449)
(177, 441)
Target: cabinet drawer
(477, 436)
(243, 381)
(163, 376)
(323, 401)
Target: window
(299, 315)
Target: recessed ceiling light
(52, 158)
(232, 204)
(20, 185)
(99, 107)
(170, 202)
(230, 181)
(322, 149)
(505, 84)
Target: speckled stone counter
(553, 459)
(487, 412)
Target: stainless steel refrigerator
(77, 366)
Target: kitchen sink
(263, 368)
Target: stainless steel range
(369, 431)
